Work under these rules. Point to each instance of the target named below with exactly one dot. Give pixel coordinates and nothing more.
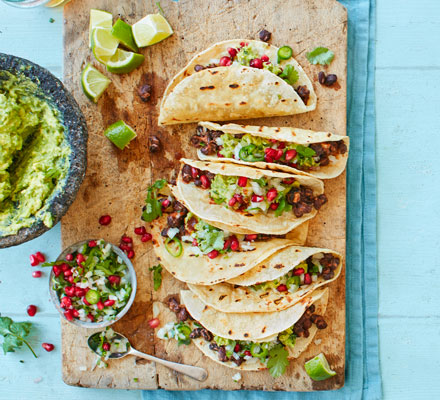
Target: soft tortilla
(198, 202)
(227, 297)
(285, 134)
(213, 93)
(249, 326)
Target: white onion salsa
(91, 283)
(107, 343)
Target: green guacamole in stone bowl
(43, 147)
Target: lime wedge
(93, 83)
(124, 62)
(318, 369)
(120, 134)
(99, 18)
(123, 32)
(151, 29)
(104, 45)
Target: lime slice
(151, 29)
(104, 45)
(99, 18)
(123, 32)
(93, 83)
(120, 134)
(124, 62)
(318, 369)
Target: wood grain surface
(116, 180)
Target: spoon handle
(194, 372)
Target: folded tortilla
(198, 201)
(234, 92)
(284, 134)
(230, 298)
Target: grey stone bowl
(76, 135)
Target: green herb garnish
(278, 361)
(157, 275)
(321, 55)
(153, 208)
(14, 334)
(289, 74)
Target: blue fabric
(363, 379)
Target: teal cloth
(363, 379)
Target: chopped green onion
(174, 249)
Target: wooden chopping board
(116, 181)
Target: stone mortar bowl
(76, 135)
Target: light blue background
(408, 117)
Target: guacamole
(34, 155)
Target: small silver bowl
(131, 275)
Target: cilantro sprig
(278, 361)
(157, 276)
(289, 74)
(14, 334)
(321, 55)
(153, 208)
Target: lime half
(99, 18)
(151, 29)
(123, 32)
(93, 83)
(318, 369)
(120, 134)
(104, 45)
(124, 62)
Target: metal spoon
(194, 372)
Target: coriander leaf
(10, 343)
(21, 329)
(290, 74)
(5, 323)
(157, 275)
(13, 334)
(321, 55)
(159, 184)
(278, 361)
(153, 208)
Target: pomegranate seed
(268, 158)
(90, 317)
(225, 61)
(40, 256)
(69, 315)
(243, 44)
(237, 348)
(130, 254)
(109, 303)
(257, 199)
(194, 242)
(248, 353)
(69, 257)
(288, 181)
(264, 58)
(80, 258)
(67, 273)
(232, 201)
(47, 346)
(213, 254)
(166, 203)
(126, 239)
(79, 292)
(271, 152)
(36, 274)
(307, 279)
(273, 140)
(274, 206)
(124, 247)
(140, 230)
(219, 155)
(114, 279)
(75, 313)
(281, 145)
(242, 181)
(106, 346)
(227, 244)
(206, 183)
(234, 243)
(250, 238)
(64, 267)
(100, 305)
(85, 301)
(271, 194)
(34, 260)
(195, 172)
(70, 291)
(298, 271)
(70, 279)
(282, 288)
(232, 52)
(239, 198)
(92, 243)
(279, 154)
(256, 63)
(294, 165)
(66, 302)
(146, 237)
(290, 154)
(105, 220)
(154, 323)
(31, 310)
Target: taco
(260, 201)
(320, 154)
(275, 284)
(252, 342)
(237, 79)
